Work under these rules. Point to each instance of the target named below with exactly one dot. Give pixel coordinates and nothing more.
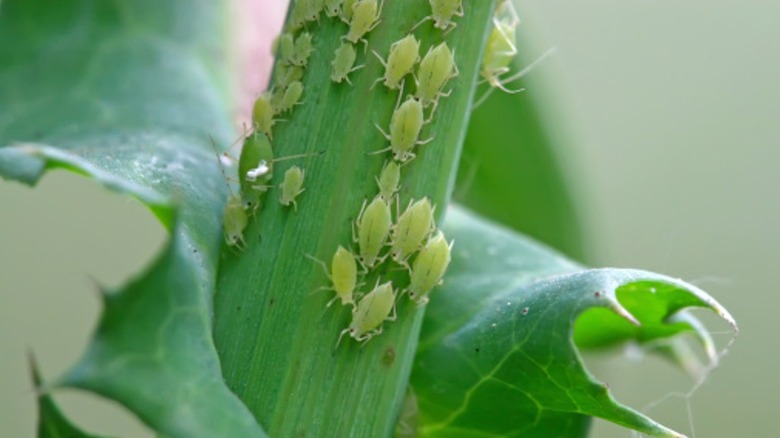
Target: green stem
(275, 338)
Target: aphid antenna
(528, 69)
(221, 168)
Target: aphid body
(443, 11)
(255, 169)
(499, 52)
(333, 7)
(413, 226)
(303, 49)
(291, 97)
(405, 127)
(365, 17)
(313, 9)
(436, 68)
(388, 180)
(263, 114)
(404, 53)
(234, 222)
(429, 268)
(371, 311)
(342, 275)
(373, 227)
(292, 186)
(286, 48)
(286, 74)
(347, 10)
(343, 62)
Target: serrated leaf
(128, 93)
(496, 356)
(51, 422)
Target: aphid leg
(386, 135)
(321, 263)
(341, 335)
(428, 18)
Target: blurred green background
(673, 112)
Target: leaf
(496, 355)
(511, 171)
(51, 422)
(129, 93)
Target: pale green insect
(234, 221)
(292, 186)
(389, 180)
(303, 50)
(343, 62)
(436, 68)
(285, 74)
(365, 17)
(373, 227)
(263, 114)
(299, 14)
(404, 53)
(442, 13)
(290, 98)
(286, 48)
(429, 268)
(499, 52)
(371, 311)
(333, 7)
(342, 275)
(313, 9)
(405, 127)
(347, 10)
(413, 226)
(255, 170)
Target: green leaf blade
(514, 345)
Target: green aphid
(373, 227)
(413, 226)
(405, 127)
(342, 275)
(286, 48)
(365, 17)
(333, 7)
(389, 180)
(347, 10)
(290, 97)
(284, 75)
(428, 268)
(436, 68)
(500, 51)
(371, 311)
(303, 49)
(255, 170)
(343, 61)
(292, 186)
(442, 13)
(234, 222)
(263, 114)
(404, 53)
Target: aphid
(286, 74)
(442, 12)
(343, 62)
(255, 170)
(286, 48)
(342, 275)
(303, 50)
(299, 14)
(347, 10)
(373, 226)
(388, 180)
(371, 311)
(234, 221)
(290, 98)
(292, 186)
(313, 9)
(429, 268)
(263, 114)
(405, 127)
(333, 7)
(365, 17)
(499, 52)
(404, 53)
(436, 68)
(413, 226)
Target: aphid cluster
(412, 235)
(255, 173)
